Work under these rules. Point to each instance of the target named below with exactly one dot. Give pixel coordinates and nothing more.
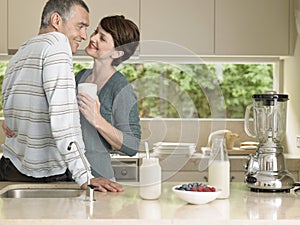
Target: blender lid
(271, 97)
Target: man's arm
(59, 87)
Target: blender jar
(269, 117)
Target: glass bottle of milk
(219, 167)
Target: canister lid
(269, 99)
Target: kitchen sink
(42, 193)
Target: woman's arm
(90, 109)
(124, 134)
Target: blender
(266, 169)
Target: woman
(110, 122)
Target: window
(190, 90)
(218, 90)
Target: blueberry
(184, 186)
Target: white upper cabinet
(24, 17)
(3, 26)
(177, 27)
(255, 27)
(102, 8)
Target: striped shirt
(40, 107)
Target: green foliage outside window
(3, 66)
(188, 90)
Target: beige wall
(185, 130)
(198, 130)
(188, 130)
(292, 87)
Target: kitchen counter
(243, 207)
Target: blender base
(269, 190)
(263, 181)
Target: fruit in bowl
(196, 193)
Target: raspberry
(199, 187)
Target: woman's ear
(55, 21)
(117, 54)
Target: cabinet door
(102, 8)
(22, 26)
(23, 21)
(252, 27)
(177, 27)
(3, 26)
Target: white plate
(174, 148)
(174, 152)
(249, 143)
(171, 155)
(173, 144)
(248, 147)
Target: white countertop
(243, 207)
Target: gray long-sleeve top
(119, 107)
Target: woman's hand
(89, 107)
(7, 131)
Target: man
(40, 106)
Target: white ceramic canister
(150, 179)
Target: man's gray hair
(62, 7)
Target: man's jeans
(8, 172)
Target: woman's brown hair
(125, 34)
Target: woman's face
(101, 45)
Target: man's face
(75, 27)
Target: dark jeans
(8, 172)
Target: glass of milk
(88, 88)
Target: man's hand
(104, 185)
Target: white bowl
(195, 197)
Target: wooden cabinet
(24, 17)
(177, 27)
(3, 26)
(252, 27)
